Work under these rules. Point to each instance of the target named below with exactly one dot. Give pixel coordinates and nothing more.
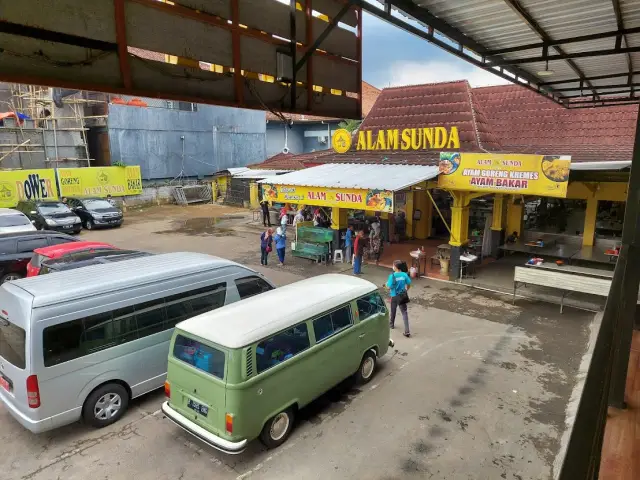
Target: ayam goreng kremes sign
(398, 139)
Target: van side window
(201, 356)
(370, 305)
(61, 343)
(281, 347)
(250, 286)
(25, 246)
(185, 305)
(331, 323)
(150, 317)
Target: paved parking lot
(479, 392)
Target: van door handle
(361, 336)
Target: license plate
(66, 226)
(113, 221)
(198, 408)
(5, 383)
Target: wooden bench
(568, 279)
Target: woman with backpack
(398, 284)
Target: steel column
(121, 38)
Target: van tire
(277, 429)
(114, 397)
(367, 367)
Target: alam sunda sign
(406, 139)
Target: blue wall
(215, 138)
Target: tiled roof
(526, 122)
(289, 161)
(369, 96)
(435, 104)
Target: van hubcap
(107, 406)
(367, 367)
(279, 426)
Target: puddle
(200, 226)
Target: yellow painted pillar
(338, 218)
(589, 234)
(423, 226)
(460, 219)
(409, 215)
(514, 217)
(498, 212)
(254, 194)
(214, 191)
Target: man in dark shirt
(266, 219)
(358, 252)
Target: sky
(392, 57)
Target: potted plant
(443, 258)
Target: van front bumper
(200, 433)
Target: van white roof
(98, 279)
(248, 321)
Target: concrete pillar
(409, 215)
(589, 232)
(497, 224)
(254, 194)
(514, 217)
(423, 226)
(338, 218)
(459, 230)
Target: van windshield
(198, 355)
(12, 343)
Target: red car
(62, 250)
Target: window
(215, 298)
(59, 240)
(7, 247)
(331, 323)
(26, 246)
(250, 286)
(12, 343)
(189, 304)
(150, 317)
(370, 305)
(61, 343)
(14, 220)
(177, 312)
(282, 347)
(198, 355)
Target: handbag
(403, 297)
(268, 249)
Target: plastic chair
(338, 253)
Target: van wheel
(367, 367)
(105, 405)
(277, 429)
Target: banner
(542, 175)
(99, 181)
(374, 200)
(17, 185)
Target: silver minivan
(82, 343)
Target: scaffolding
(50, 123)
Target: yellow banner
(374, 200)
(543, 175)
(17, 185)
(99, 181)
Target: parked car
(82, 344)
(16, 250)
(96, 212)
(51, 215)
(243, 371)
(14, 221)
(86, 258)
(57, 251)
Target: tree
(350, 125)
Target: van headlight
(50, 222)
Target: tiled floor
(621, 447)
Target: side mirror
(33, 212)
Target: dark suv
(96, 212)
(51, 215)
(16, 250)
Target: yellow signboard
(395, 139)
(374, 200)
(100, 181)
(17, 185)
(543, 175)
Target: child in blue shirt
(398, 284)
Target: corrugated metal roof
(249, 173)
(615, 165)
(98, 279)
(361, 176)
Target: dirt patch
(207, 226)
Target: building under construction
(44, 127)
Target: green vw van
(243, 371)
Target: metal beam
(238, 81)
(620, 23)
(603, 95)
(57, 37)
(604, 100)
(321, 38)
(121, 38)
(294, 43)
(565, 41)
(423, 16)
(594, 78)
(531, 22)
(566, 56)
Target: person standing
(299, 218)
(266, 218)
(111, 200)
(398, 285)
(358, 248)
(281, 244)
(266, 245)
(348, 244)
